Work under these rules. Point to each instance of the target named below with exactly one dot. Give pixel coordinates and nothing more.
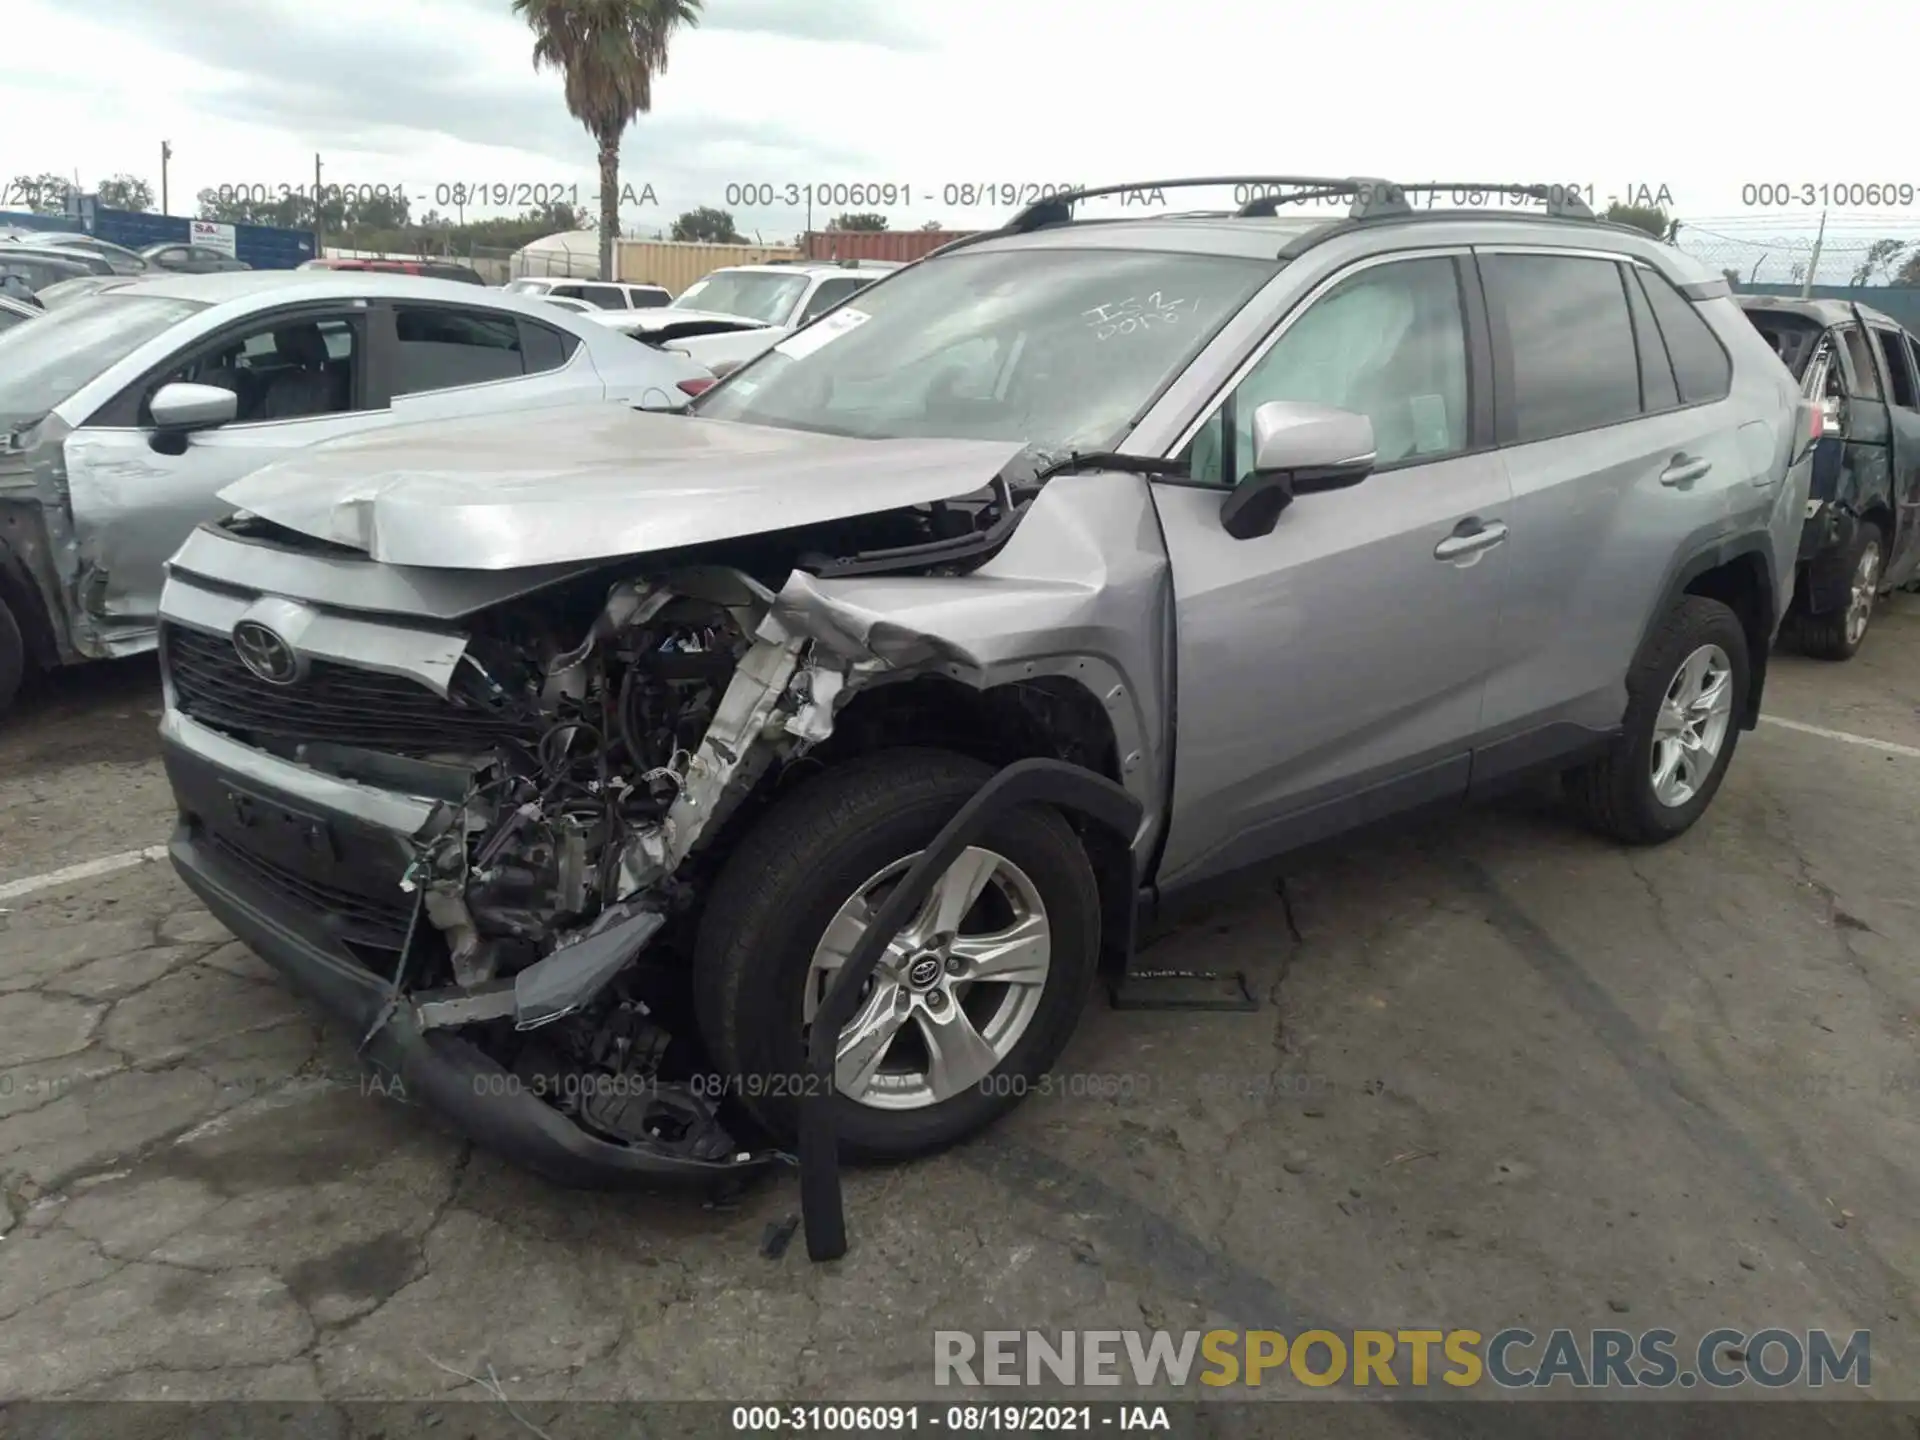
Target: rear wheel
(1685, 694)
(973, 1000)
(13, 657)
(1837, 634)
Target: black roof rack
(1372, 197)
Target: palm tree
(608, 51)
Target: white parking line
(1912, 752)
(85, 870)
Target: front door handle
(1684, 469)
(1471, 542)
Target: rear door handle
(1471, 542)
(1683, 469)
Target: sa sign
(212, 235)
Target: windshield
(1057, 349)
(42, 364)
(750, 294)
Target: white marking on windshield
(1125, 317)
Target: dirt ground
(1503, 1074)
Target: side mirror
(181, 407)
(1298, 449)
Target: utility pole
(1813, 264)
(166, 154)
(319, 241)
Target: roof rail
(1371, 197)
(1058, 209)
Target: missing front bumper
(479, 1096)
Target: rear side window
(1566, 321)
(607, 297)
(1899, 374)
(1700, 365)
(440, 349)
(545, 349)
(1657, 388)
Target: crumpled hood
(593, 482)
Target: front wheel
(1685, 694)
(972, 1001)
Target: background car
(89, 262)
(193, 381)
(606, 294)
(65, 292)
(764, 303)
(433, 269)
(122, 260)
(1862, 534)
(37, 269)
(185, 259)
(12, 312)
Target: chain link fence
(1864, 250)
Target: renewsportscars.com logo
(1513, 1359)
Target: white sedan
(136, 406)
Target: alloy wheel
(1691, 726)
(955, 990)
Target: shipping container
(676, 264)
(264, 247)
(901, 245)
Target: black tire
(1615, 793)
(789, 876)
(1825, 637)
(13, 658)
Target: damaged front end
(543, 892)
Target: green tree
(43, 194)
(932, 225)
(1733, 276)
(1650, 218)
(1909, 273)
(866, 220)
(124, 192)
(608, 52)
(709, 224)
(375, 212)
(1879, 258)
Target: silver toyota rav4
(590, 761)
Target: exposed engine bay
(560, 891)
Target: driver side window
(1387, 342)
(296, 369)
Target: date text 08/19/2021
(517, 194)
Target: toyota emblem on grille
(265, 653)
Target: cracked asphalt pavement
(1503, 1074)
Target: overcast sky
(432, 93)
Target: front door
(1901, 550)
(1334, 669)
(299, 378)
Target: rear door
(136, 495)
(1902, 548)
(1620, 439)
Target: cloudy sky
(431, 93)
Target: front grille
(335, 703)
(382, 923)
